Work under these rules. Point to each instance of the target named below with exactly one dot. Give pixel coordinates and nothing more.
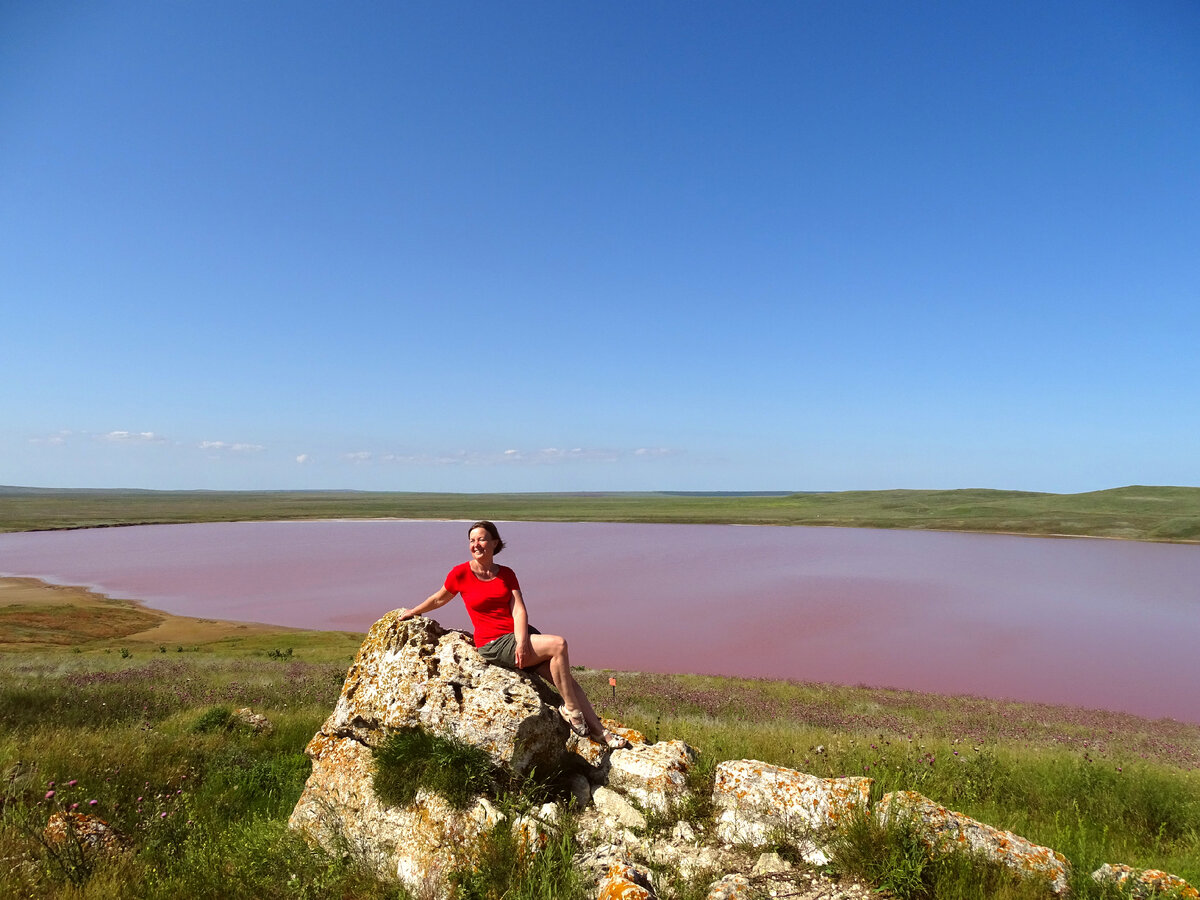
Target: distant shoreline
(1139, 513)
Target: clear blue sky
(626, 246)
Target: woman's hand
(524, 652)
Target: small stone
(616, 808)
(731, 887)
(684, 833)
(771, 864)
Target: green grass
(1136, 512)
(205, 805)
(411, 759)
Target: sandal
(574, 719)
(613, 740)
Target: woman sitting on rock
(502, 631)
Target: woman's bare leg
(551, 653)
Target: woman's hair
(491, 530)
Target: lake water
(1104, 624)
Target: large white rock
(419, 844)
(944, 829)
(653, 774)
(755, 799)
(415, 673)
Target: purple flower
(72, 783)
(93, 802)
(162, 815)
(50, 794)
(74, 806)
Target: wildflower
(162, 815)
(93, 802)
(50, 794)
(74, 806)
(139, 799)
(72, 783)
(51, 784)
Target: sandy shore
(38, 615)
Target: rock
(594, 755)
(581, 790)
(419, 844)
(771, 864)
(615, 808)
(533, 829)
(1144, 883)
(653, 774)
(944, 829)
(600, 859)
(254, 721)
(689, 859)
(415, 673)
(683, 833)
(731, 887)
(755, 799)
(95, 836)
(626, 882)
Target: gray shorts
(503, 650)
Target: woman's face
(481, 543)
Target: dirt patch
(37, 615)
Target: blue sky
(548, 246)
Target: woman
(503, 634)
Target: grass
(1096, 786)
(204, 802)
(1135, 512)
(411, 759)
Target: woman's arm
(521, 629)
(433, 601)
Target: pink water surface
(1104, 624)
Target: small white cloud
(134, 437)
(232, 448)
(358, 456)
(54, 440)
(303, 458)
(654, 452)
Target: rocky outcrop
(1144, 884)
(416, 674)
(655, 775)
(757, 801)
(943, 829)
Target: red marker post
(613, 683)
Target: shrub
(410, 759)
(216, 718)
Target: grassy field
(1138, 513)
(106, 715)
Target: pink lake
(1103, 624)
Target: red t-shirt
(489, 603)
